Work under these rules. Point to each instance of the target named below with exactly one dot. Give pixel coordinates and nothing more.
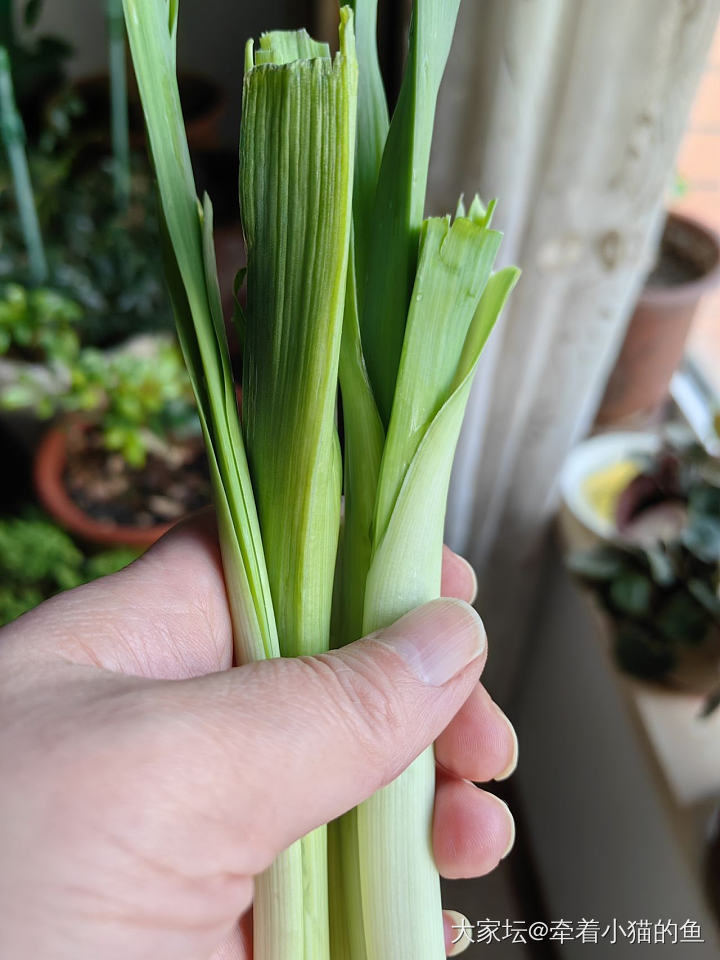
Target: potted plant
(39, 338)
(687, 265)
(657, 579)
(127, 459)
(38, 559)
(84, 225)
(109, 257)
(106, 258)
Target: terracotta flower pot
(48, 479)
(689, 265)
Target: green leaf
(661, 566)
(705, 499)
(642, 655)
(706, 596)
(682, 619)
(453, 270)
(702, 537)
(364, 438)
(405, 571)
(284, 46)
(632, 594)
(602, 563)
(372, 130)
(297, 146)
(151, 26)
(400, 198)
(238, 314)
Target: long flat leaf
(453, 269)
(400, 198)
(397, 867)
(192, 279)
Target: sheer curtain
(570, 112)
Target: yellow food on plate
(603, 487)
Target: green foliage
(37, 63)
(632, 594)
(38, 559)
(132, 397)
(139, 400)
(38, 324)
(639, 652)
(663, 595)
(109, 260)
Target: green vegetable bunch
(38, 559)
(346, 284)
(39, 324)
(659, 581)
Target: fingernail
(437, 640)
(471, 573)
(460, 930)
(511, 821)
(513, 762)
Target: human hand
(144, 784)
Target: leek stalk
(297, 146)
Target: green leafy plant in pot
(104, 257)
(127, 459)
(83, 224)
(658, 579)
(39, 340)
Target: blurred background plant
(137, 398)
(105, 257)
(37, 62)
(38, 559)
(38, 324)
(86, 341)
(658, 578)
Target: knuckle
(370, 707)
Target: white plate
(590, 456)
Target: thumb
(296, 742)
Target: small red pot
(48, 473)
(658, 329)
